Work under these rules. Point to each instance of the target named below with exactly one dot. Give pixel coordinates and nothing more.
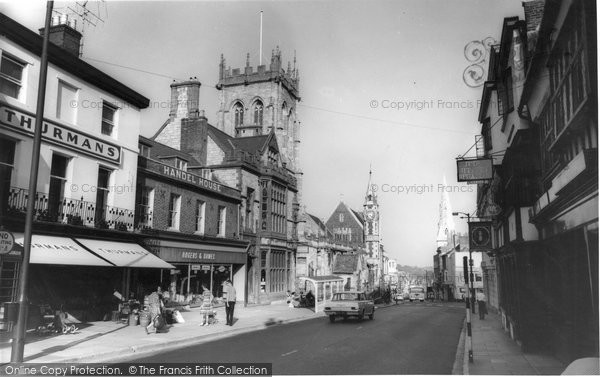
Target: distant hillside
(413, 270)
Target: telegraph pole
(18, 345)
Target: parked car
(349, 304)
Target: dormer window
(258, 113)
(238, 114)
(144, 150)
(180, 164)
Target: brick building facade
(189, 220)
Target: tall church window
(258, 113)
(238, 114)
(288, 119)
(284, 114)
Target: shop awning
(59, 250)
(124, 254)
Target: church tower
(261, 101)
(446, 221)
(372, 223)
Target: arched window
(238, 114)
(258, 112)
(288, 119)
(284, 114)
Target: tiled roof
(158, 151)
(359, 216)
(221, 138)
(345, 264)
(251, 144)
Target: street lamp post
(470, 292)
(471, 276)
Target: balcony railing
(67, 211)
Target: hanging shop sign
(474, 170)
(60, 134)
(480, 236)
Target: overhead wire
(300, 105)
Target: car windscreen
(345, 297)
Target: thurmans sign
(474, 170)
(60, 134)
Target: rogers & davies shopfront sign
(61, 134)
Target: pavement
(495, 353)
(111, 341)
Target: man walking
(481, 304)
(229, 296)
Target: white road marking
(289, 353)
(359, 327)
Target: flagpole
(261, 38)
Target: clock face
(370, 215)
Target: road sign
(7, 242)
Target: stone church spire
(446, 221)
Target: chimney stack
(534, 11)
(64, 35)
(185, 99)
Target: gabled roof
(319, 223)
(31, 41)
(159, 151)
(345, 264)
(251, 144)
(222, 139)
(359, 216)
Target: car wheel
(372, 315)
(361, 316)
(331, 318)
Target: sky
(381, 84)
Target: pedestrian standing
(206, 308)
(481, 304)
(229, 297)
(155, 307)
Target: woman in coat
(155, 307)
(206, 309)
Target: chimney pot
(64, 35)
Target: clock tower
(372, 231)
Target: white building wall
(82, 174)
